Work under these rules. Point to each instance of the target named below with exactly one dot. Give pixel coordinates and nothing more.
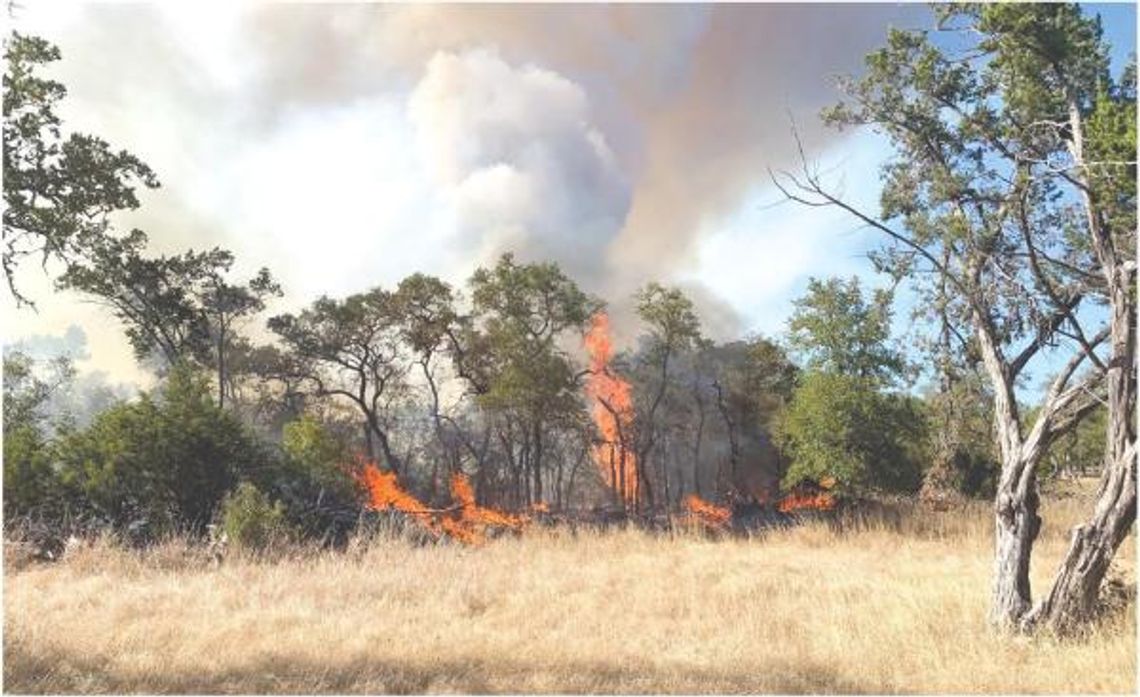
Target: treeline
(424, 379)
(427, 380)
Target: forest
(516, 404)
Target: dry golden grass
(895, 606)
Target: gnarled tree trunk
(1072, 599)
(1017, 525)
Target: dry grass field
(891, 607)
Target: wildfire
(384, 493)
(465, 521)
(820, 502)
(473, 519)
(707, 513)
(613, 413)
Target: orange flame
(475, 519)
(794, 502)
(707, 513)
(384, 493)
(613, 413)
(465, 522)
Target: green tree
(839, 425)
(515, 363)
(836, 329)
(180, 307)
(351, 349)
(672, 328)
(320, 456)
(30, 481)
(59, 192)
(161, 463)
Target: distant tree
(59, 192)
(30, 482)
(841, 426)
(836, 329)
(510, 354)
(961, 448)
(749, 383)
(181, 307)
(672, 328)
(1079, 451)
(350, 349)
(429, 321)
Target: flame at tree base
(465, 521)
(707, 514)
(813, 502)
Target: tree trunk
(537, 461)
(1072, 599)
(221, 368)
(1017, 525)
(368, 445)
(697, 448)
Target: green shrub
(250, 520)
(162, 462)
(842, 426)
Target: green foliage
(318, 455)
(179, 306)
(162, 462)
(961, 448)
(670, 317)
(841, 426)
(520, 311)
(836, 329)
(250, 520)
(58, 191)
(30, 481)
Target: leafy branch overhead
(60, 190)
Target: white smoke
(525, 166)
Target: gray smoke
(607, 138)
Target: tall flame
(613, 413)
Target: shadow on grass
(56, 672)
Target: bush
(842, 426)
(250, 521)
(162, 463)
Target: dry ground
(894, 607)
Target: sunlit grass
(894, 605)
